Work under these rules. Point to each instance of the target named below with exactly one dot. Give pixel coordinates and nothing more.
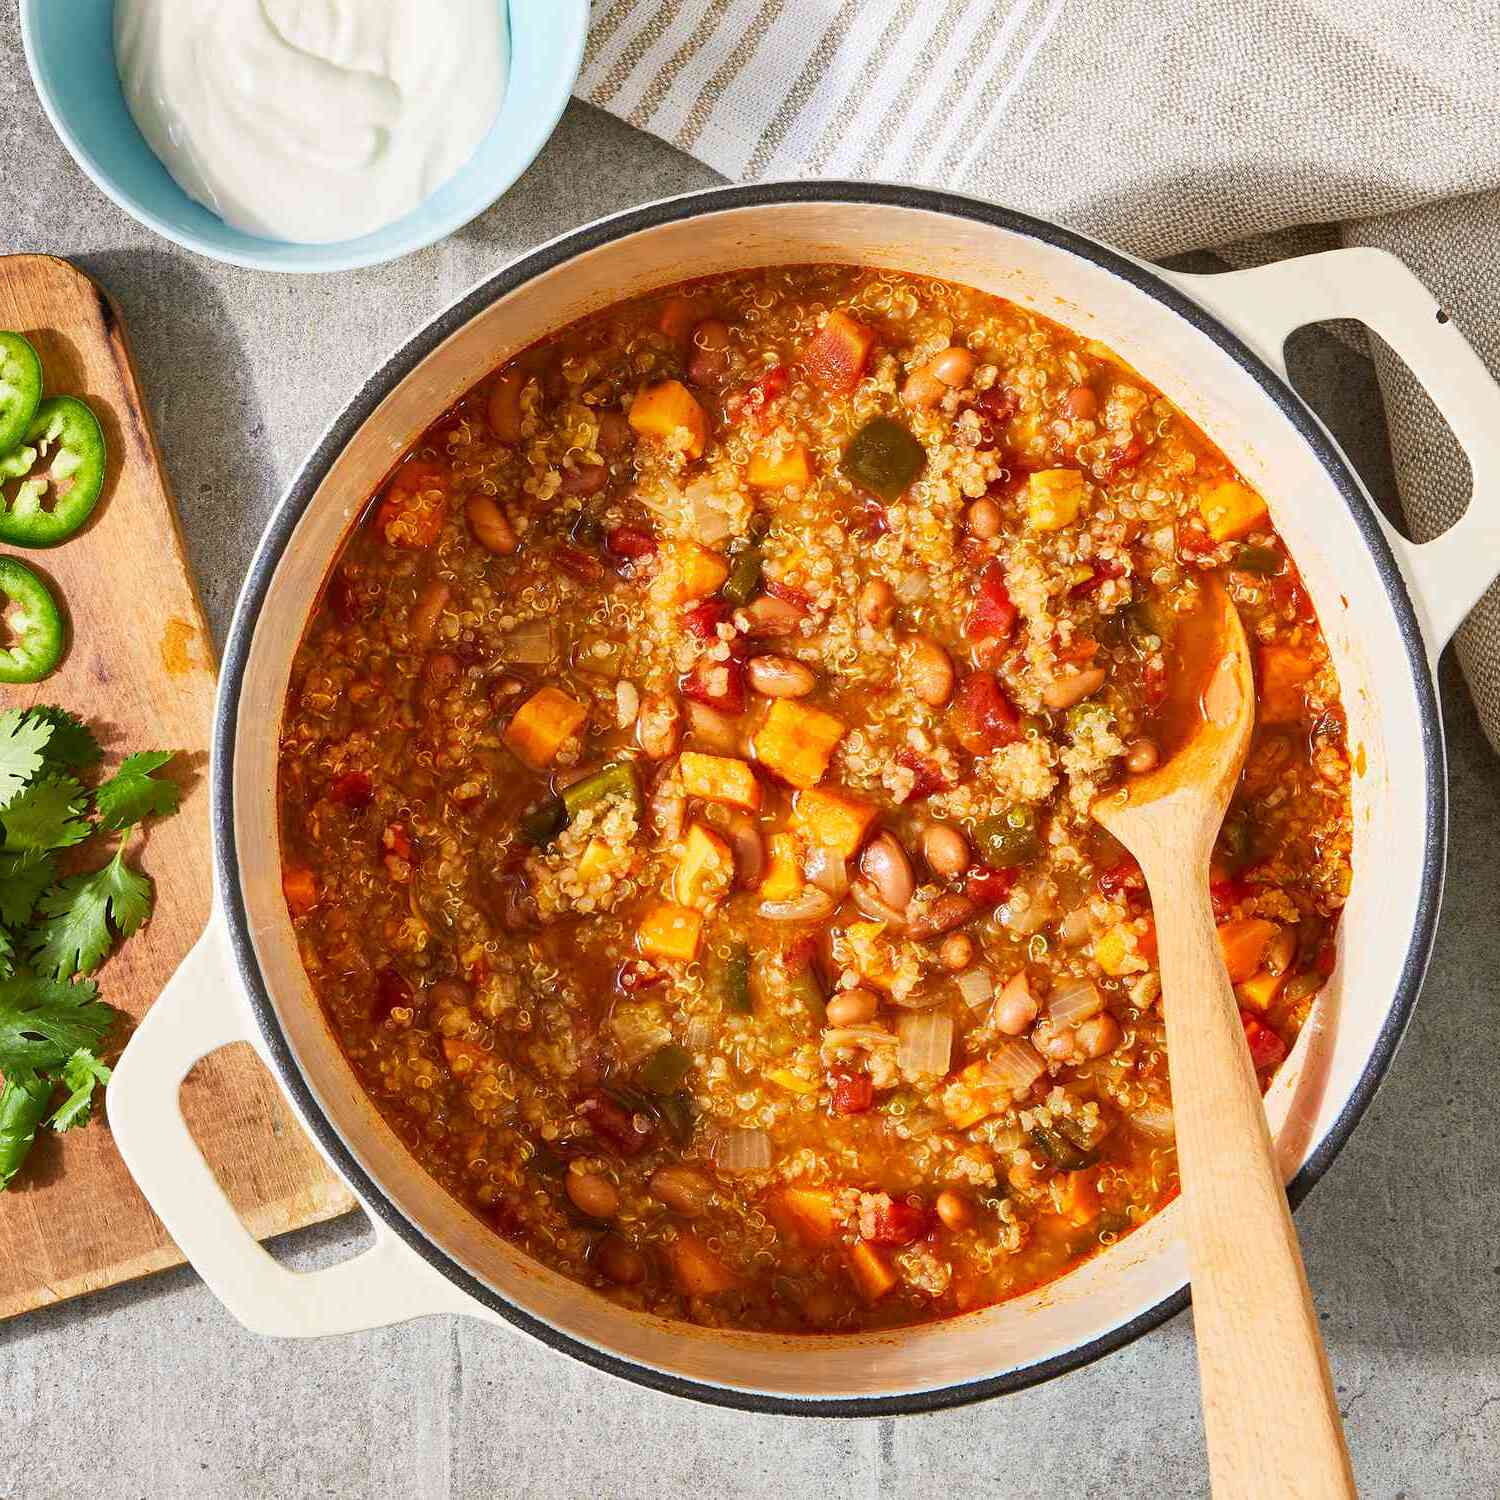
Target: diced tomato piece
(898, 1223)
(614, 1126)
(751, 405)
(1154, 684)
(853, 1093)
(1124, 458)
(703, 620)
(396, 840)
(1226, 895)
(726, 692)
(629, 543)
(391, 992)
(872, 520)
(1287, 593)
(928, 779)
(1104, 568)
(578, 564)
(996, 407)
(787, 593)
(637, 974)
(353, 789)
(989, 886)
(1266, 1048)
(986, 719)
(1193, 540)
(1122, 879)
(300, 888)
(993, 616)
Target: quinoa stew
(685, 781)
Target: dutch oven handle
(198, 1012)
(1268, 303)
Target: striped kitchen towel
(1257, 127)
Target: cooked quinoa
(685, 789)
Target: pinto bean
(877, 604)
(957, 952)
(682, 1189)
(953, 1210)
(583, 480)
(490, 525)
(954, 366)
(620, 1261)
(658, 726)
(769, 616)
(780, 677)
(983, 520)
(428, 609)
(929, 671)
(504, 410)
(946, 850)
(1082, 404)
(749, 847)
(852, 1008)
(1099, 1035)
(950, 910)
(592, 1194)
(886, 866)
(1064, 692)
(1141, 755)
(922, 389)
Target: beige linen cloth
(1259, 128)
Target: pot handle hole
(197, 1013)
(1266, 304)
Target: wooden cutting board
(140, 669)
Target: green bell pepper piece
(884, 458)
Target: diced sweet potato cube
(300, 887)
(873, 1276)
(1284, 671)
(783, 880)
(706, 870)
(1078, 1197)
(1260, 990)
(836, 356)
(691, 571)
(670, 932)
(543, 724)
(806, 1213)
(832, 820)
(794, 1083)
(1053, 498)
(719, 778)
(1243, 941)
(669, 411)
(797, 742)
(790, 469)
(966, 1101)
(1230, 509)
(698, 1271)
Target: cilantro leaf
(81, 1074)
(134, 793)
(76, 933)
(47, 815)
(72, 746)
(44, 1022)
(7, 954)
(23, 878)
(22, 741)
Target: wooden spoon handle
(1269, 1411)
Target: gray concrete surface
(152, 1391)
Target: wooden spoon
(1268, 1406)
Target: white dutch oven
(1214, 345)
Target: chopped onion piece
(710, 524)
(1030, 907)
(743, 1151)
(925, 1042)
(699, 1034)
(826, 870)
(1014, 1065)
(924, 997)
(711, 728)
(1155, 1120)
(812, 905)
(1074, 928)
(1073, 1002)
(977, 986)
(913, 587)
(529, 643)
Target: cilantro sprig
(54, 928)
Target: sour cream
(312, 120)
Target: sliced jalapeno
(20, 388)
(33, 623)
(884, 458)
(61, 469)
(1008, 839)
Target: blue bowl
(70, 51)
